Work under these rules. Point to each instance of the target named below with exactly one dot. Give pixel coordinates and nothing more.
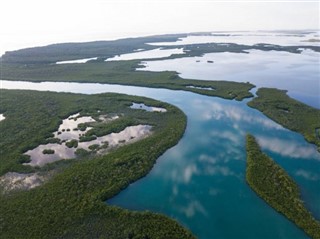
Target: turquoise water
(201, 181)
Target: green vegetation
(72, 51)
(87, 138)
(100, 128)
(123, 73)
(48, 151)
(71, 204)
(94, 147)
(37, 64)
(81, 153)
(291, 114)
(53, 141)
(107, 49)
(276, 187)
(72, 143)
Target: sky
(41, 22)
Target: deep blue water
(201, 181)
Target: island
(65, 198)
(288, 112)
(276, 187)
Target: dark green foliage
(71, 204)
(53, 141)
(48, 151)
(35, 64)
(72, 51)
(277, 188)
(106, 49)
(87, 138)
(122, 72)
(291, 114)
(82, 126)
(115, 126)
(24, 158)
(80, 152)
(94, 147)
(72, 143)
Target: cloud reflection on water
(307, 175)
(288, 148)
(194, 207)
(218, 111)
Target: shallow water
(201, 181)
(147, 108)
(128, 135)
(68, 130)
(155, 53)
(85, 60)
(297, 73)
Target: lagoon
(201, 181)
